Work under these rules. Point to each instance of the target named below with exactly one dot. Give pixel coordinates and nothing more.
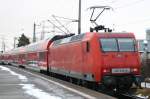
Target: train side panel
(92, 57)
(67, 59)
(77, 59)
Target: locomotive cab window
(126, 44)
(118, 44)
(109, 44)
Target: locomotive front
(120, 60)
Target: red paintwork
(74, 57)
(23, 55)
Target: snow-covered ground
(143, 97)
(145, 85)
(28, 88)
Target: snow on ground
(30, 88)
(144, 84)
(143, 97)
(38, 93)
(21, 77)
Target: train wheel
(21, 66)
(123, 86)
(79, 82)
(83, 83)
(70, 80)
(41, 71)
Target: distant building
(148, 34)
(141, 45)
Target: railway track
(130, 96)
(45, 75)
(124, 95)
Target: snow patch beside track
(30, 89)
(38, 93)
(21, 77)
(145, 85)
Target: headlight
(134, 70)
(106, 71)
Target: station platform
(17, 84)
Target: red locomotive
(111, 59)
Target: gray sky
(18, 16)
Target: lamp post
(34, 36)
(79, 18)
(34, 31)
(15, 38)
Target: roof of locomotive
(120, 35)
(111, 34)
(89, 35)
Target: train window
(57, 42)
(77, 37)
(109, 44)
(68, 39)
(87, 46)
(42, 55)
(126, 44)
(65, 40)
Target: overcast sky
(18, 16)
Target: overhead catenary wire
(108, 1)
(73, 20)
(56, 26)
(146, 20)
(117, 5)
(60, 23)
(129, 4)
(111, 2)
